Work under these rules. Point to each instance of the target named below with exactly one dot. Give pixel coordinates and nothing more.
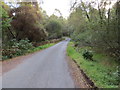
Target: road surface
(45, 69)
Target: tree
(27, 23)
(96, 27)
(5, 22)
(53, 27)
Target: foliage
(22, 47)
(30, 21)
(4, 21)
(87, 55)
(96, 27)
(103, 72)
(27, 22)
(5, 18)
(54, 26)
(23, 20)
(40, 47)
(54, 29)
(16, 48)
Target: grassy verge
(102, 71)
(32, 50)
(41, 47)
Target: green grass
(102, 71)
(40, 47)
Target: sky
(63, 5)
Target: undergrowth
(102, 71)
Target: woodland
(90, 24)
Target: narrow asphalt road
(45, 69)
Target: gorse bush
(16, 48)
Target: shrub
(16, 48)
(88, 55)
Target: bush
(88, 55)
(16, 48)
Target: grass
(32, 50)
(102, 71)
(40, 47)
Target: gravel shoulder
(79, 79)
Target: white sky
(50, 5)
(63, 5)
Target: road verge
(9, 64)
(95, 72)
